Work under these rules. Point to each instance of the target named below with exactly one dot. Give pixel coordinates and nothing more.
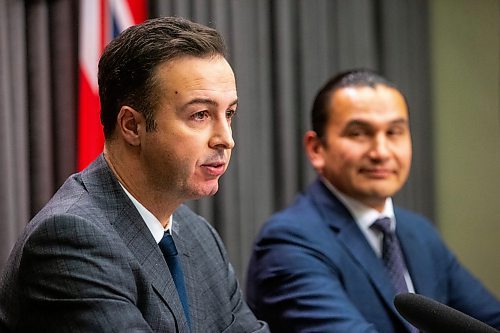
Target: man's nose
(380, 147)
(222, 136)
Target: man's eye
(356, 133)
(230, 113)
(395, 131)
(200, 115)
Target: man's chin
(381, 193)
(206, 191)
(213, 191)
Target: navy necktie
(393, 257)
(169, 250)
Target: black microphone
(430, 316)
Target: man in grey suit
(89, 261)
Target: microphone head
(431, 316)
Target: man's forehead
(366, 101)
(197, 79)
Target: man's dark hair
(352, 78)
(128, 65)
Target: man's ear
(129, 124)
(314, 150)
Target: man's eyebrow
(398, 121)
(208, 101)
(358, 122)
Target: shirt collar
(153, 224)
(362, 214)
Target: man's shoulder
(185, 212)
(91, 192)
(310, 208)
(302, 207)
(191, 223)
(77, 202)
(410, 217)
(71, 198)
(418, 225)
(185, 217)
(302, 220)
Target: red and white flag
(100, 22)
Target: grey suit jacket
(88, 263)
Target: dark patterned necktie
(169, 251)
(393, 257)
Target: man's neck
(127, 171)
(350, 201)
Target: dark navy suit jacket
(312, 270)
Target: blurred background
(443, 54)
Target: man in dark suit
(89, 261)
(326, 263)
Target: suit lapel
(350, 236)
(419, 266)
(194, 283)
(355, 243)
(150, 257)
(129, 224)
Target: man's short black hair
(351, 78)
